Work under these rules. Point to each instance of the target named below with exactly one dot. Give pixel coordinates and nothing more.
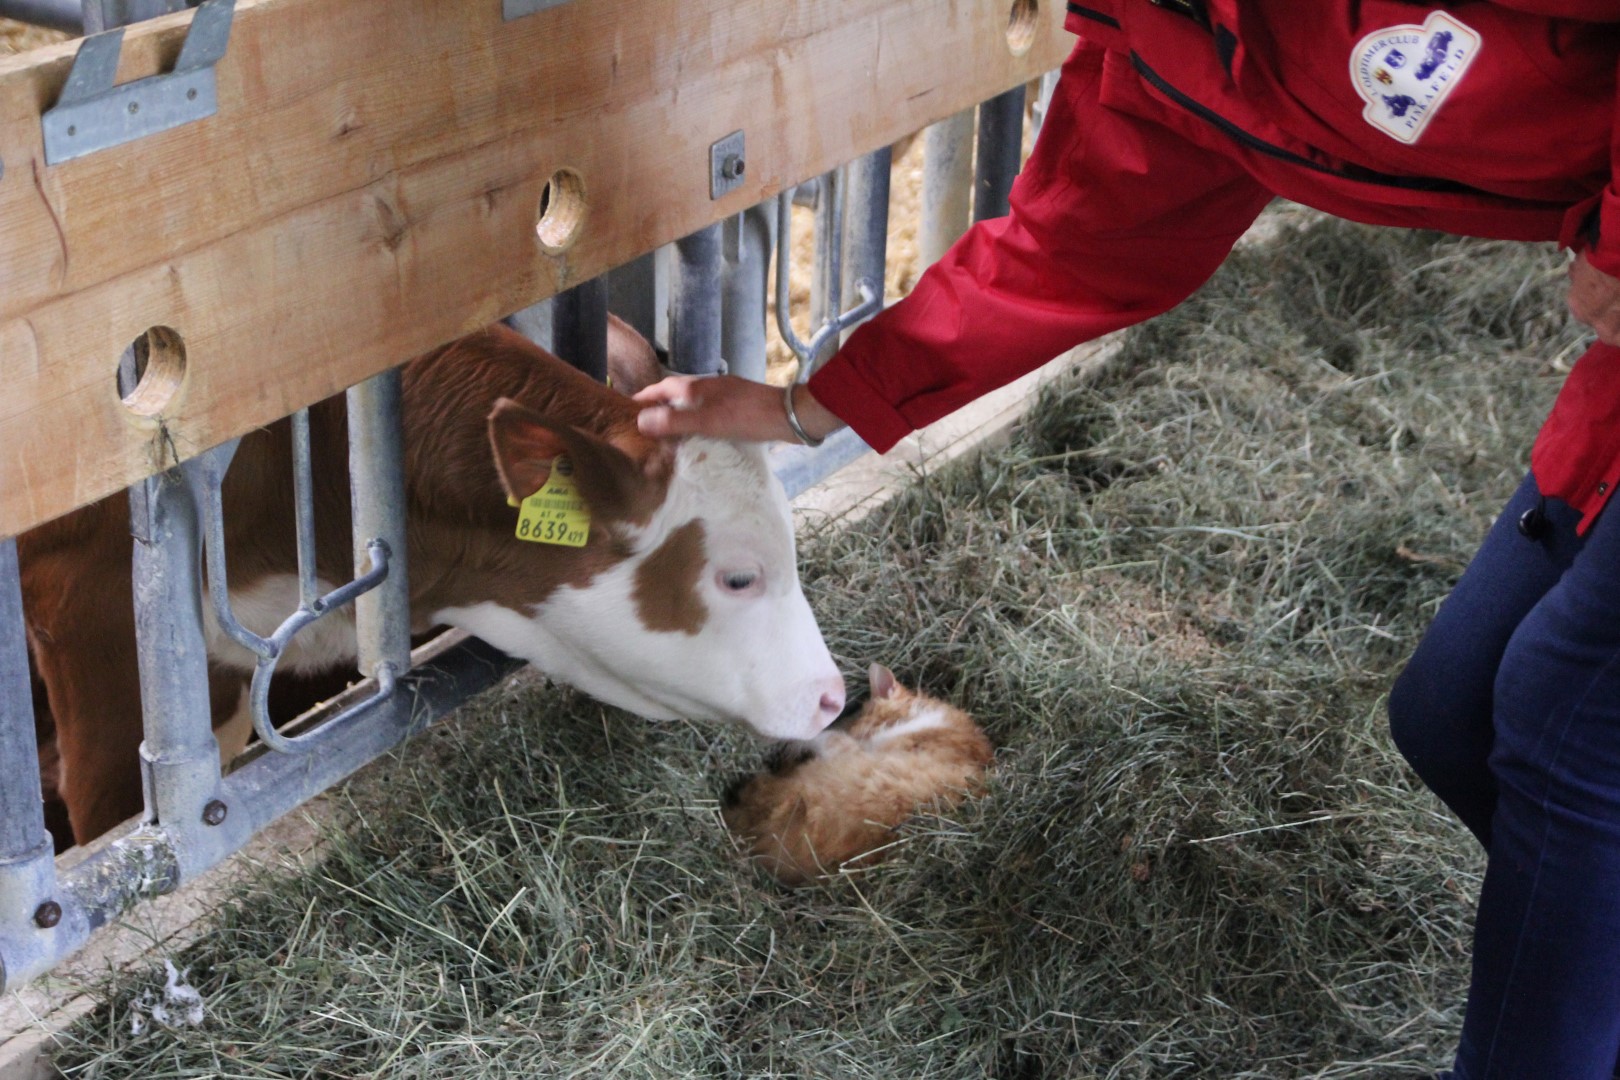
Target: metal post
(826, 284)
(746, 248)
(56, 14)
(179, 756)
(537, 322)
(638, 293)
(22, 814)
(947, 184)
(695, 342)
(1001, 152)
(866, 220)
(377, 479)
(1037, 115)
(27, 866)
(579, 327)
(102, 15)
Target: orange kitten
(837, 799)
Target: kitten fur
(835, 801)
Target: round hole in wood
(562, 211)
(1022, 22)
(160, 371)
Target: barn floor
(1175, 599)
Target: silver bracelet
(793, 418)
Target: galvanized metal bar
(99, 15)
(109, 878)
(270, 654)
(746, 248)
(179, 756)
(56, 14)
(695, 339)
(810, 353)
(309, 589)
(866, 222)
(826, 283)
(1043, 102)
(377, 480)
(269, 785)
(638, 293)
(535, 322)
(784, 280)
(800, 468)
(579, 327)
(1001, 153)
(808, 194)
(22, 817)
(27, 865)
(947, 185)
(131, 865)
(205, 475)
(830, 250)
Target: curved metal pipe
(55, 14)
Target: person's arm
(1114, 220)
(1594, 275)
(730, 408)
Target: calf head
(685, 601)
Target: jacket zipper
(1253, 142)
(1193, 9)
(1093, 15)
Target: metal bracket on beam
(516, 9)
(728, 160)
(93, 114)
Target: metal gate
(703, 300)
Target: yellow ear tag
(556, 514)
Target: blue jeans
(1510, 711)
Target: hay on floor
(1175, 601)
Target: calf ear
(613, 483)
(882, 681)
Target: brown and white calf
(684, 601)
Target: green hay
(1175, 601)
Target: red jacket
(1176, 121)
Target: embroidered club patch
(1405, 73)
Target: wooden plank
(370, 188)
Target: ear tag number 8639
(556, 514)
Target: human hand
(727, 407)
(1594, 299)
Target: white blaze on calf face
(704, 618)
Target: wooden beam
(371, 184)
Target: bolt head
(214, 813)
(47, 914)
(733, 166)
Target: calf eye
(738, 581)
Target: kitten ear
(883, 682)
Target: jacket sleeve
(1593, 225)
(1114, 220)
(1602, 244)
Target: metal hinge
(93, 114)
